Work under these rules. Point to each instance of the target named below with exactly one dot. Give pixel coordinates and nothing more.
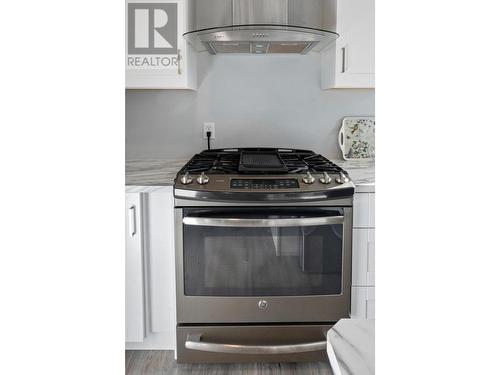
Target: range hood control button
(186, 179)
(308, 178)
(326, 179)
(202, 179)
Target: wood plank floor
(152, 362)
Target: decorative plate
(357, 138)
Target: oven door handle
(193, 341)
(262, 223)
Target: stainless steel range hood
(261, 26)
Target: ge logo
(152, 28)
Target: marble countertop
(151, 173)
(362, 173)
(351, 347)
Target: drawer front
(363, 257)
(364, 210)
(251, 335)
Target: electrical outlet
(209, 127)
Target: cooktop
(259, 161)
(261, 174)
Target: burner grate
(259, 161)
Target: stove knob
(186, 179)
(342, 179)
(202, 179)
(308, 178)
(326, 179)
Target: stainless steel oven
(263, 254)
(259, 279)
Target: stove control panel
(264, 184)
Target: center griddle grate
(258, 161)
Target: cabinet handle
(344, 60)
(179, 58)
(131, 221)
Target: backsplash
(254, 101)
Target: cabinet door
(356, 23)
(134, 269)
(162, 263)
(363, 257)
(351, 61)
(157, 55)
(363, 303)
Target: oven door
(281, 264)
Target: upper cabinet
(157, 55)
(350, 62)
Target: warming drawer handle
(193, 341)
(262, 223)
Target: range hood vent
(261, 26)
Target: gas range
(263, 254)
(262, 174)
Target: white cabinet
(159, 271)
(161, 261)
(134, 267)
(363, 302)
(350, 62)
(157, 55)
(364, 210)
(363, 257)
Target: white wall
(253, 100)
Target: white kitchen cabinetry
(350, 62)
(161, 261)
(134, 269)
(157, 55)
(363, 257)
(364, 210)
(363, 302)
(159, 271)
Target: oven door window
(263, 252)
